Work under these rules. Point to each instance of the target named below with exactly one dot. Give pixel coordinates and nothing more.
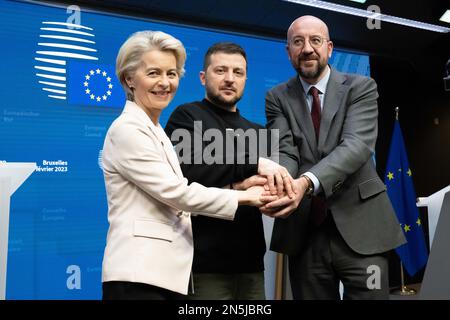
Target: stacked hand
(285, 205)
(253, 192)
(273, 190)
(255, 180)
(279, 204)
(279, 181)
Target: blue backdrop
(59, 95)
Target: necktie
(315, 111)
(318, 205)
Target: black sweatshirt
(221, 246)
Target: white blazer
(149, 203)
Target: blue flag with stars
(92, 84)
(401, 192)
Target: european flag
(93, 84)
(401, 192)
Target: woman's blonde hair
(130, 54)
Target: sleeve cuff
(315, 182)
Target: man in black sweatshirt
(228, 255)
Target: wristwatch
(310, 189)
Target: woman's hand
(255, 180)
(255, 196)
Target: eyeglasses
(315, 41)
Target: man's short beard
(219, 101)
(314, 74)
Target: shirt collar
(321, 85)
(220, 110)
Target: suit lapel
(297, 101)
(168, 149)
(166, 144)
(172, 157)
(333, 100)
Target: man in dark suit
(345, 223)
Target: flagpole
(279, 279)
(404, 290)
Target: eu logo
(94, 85)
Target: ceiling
(273, 17)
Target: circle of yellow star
(104, 96)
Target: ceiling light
(370, 15)
(446, 16)
(359, 1)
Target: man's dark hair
(224, 47)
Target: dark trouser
(327, 259)
(236, 286)
(122, 290)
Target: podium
(436, 280)
(434, 204)
(12, 175)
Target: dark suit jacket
(341, 160)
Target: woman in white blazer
(149, 249)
